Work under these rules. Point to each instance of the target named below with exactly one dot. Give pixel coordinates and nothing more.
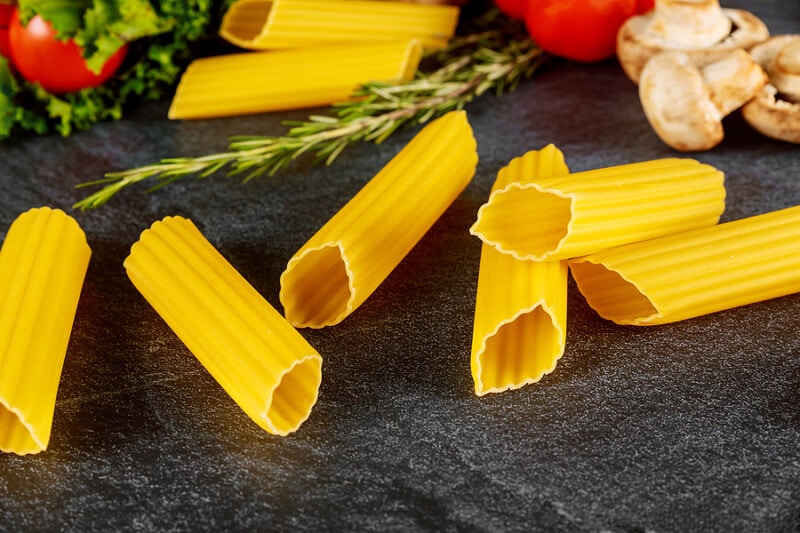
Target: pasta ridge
(283, 24)
(534, 220)
(243, 342)
(533, 349)
(180, 273)
(519, 330)
(43, 263)
(381, 223)
(697, 272)
(260, 82)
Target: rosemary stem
(497, 58)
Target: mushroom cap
(773, 117)
(677, 103)
(693, 24)
(775, 111)
(733, 80)
(780, 58)
(637, 43)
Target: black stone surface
(688, 427)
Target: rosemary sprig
(492, 59)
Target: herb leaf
(495, 58)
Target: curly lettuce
(161, 36)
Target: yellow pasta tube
(519, 330)
(562, 217)
(263, 363)
(43, 264)
(347, 259)
(249, 82)
(694, 273)
(259, 24)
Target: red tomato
(643, 6)
(4, 42)
(56, 65)
(5, 15)
(513, 8)
(581, 30)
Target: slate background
(687, 427)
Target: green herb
(495, 59)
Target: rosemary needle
(494, 59)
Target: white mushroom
(689, 24)
(700, 28)
(685, 104)
(775, 111)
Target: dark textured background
(688, 427)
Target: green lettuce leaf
(13, 114)
(8, 90)
(66, 16)
(107, 26)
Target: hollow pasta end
(525, 220)
(245, 21)
(17, 435)
(316, 289)
(613, 296)
(294, 396)
(520, 351)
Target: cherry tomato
(643, 6)
(5, 15)
(581, 30)
(56, 65)
(512, 8)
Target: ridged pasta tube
(43, 265)
(694, 273)
(261, 25)
(569, 216)
(520, 325)
(260, 82)
(263, 363)
(347, 259)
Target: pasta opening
(315, 289)
(526, 221)
(15, 435)
(295, 395)
(245, 20)
(519, 352)
(610, 294)
(273, 24)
